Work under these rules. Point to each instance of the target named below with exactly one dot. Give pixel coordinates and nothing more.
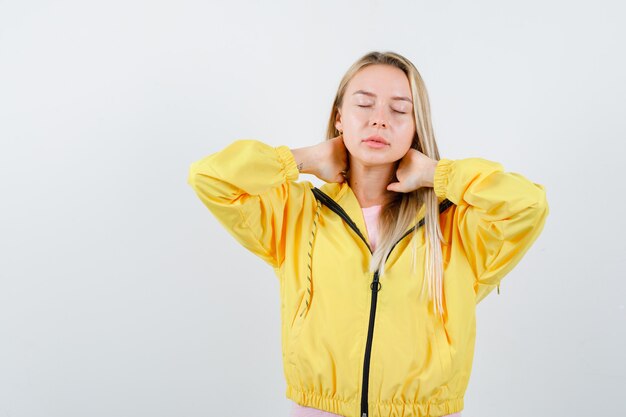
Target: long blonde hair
(400, 213)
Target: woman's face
(377, 101)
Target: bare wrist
(430, 173)
(306, 159)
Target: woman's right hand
(325, 160)
(333, 160)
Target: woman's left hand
(415, 170)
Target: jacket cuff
(288, 161)
(440, 181)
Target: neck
(369, 183)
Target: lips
(376, 138)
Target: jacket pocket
(442, 344)
(296, 328)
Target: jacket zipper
(375, 285)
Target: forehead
(382, 80)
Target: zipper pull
(364, 415)
(375, 282)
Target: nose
(378, 118)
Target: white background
(120, 295)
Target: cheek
(407, 125)
(349, 143)
(407, 135)
(403, 146)
(351, 119)
(399, 152)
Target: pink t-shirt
(371, 222)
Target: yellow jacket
(353, 345)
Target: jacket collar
(343, 194)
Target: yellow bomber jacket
(352, 344)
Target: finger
(394, 186)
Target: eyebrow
(368, 93)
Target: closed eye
(401, 112)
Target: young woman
(381, 268)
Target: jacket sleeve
(246, 186)
(499, 215)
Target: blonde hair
(399, 214)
